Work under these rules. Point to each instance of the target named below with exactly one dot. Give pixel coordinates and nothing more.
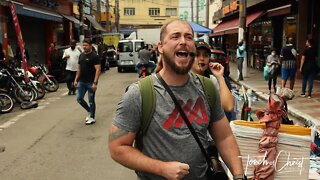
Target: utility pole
(197, 11)
(207, 12)
(192, 10)
(107, 16)
(242, 31)
(98, 14)
(117, 15)
(80, 8)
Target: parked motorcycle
(6, 102)
(9, 82)
(47, 81)
(41, 92)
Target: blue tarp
(199, 28)
(127, 31)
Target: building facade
(267, 27)
(45, 21)
(135, 14)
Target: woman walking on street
(240, 58)
(308, 68)
(273, 62)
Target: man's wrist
(95, 82)
(240, 177)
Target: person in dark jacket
(308, 68)
(288, 64)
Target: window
(171, 11)
(125, 47)
(129, 12)
(139, 46)
(154, 11)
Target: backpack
(148, 98)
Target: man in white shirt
(71, 55)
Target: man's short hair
(163, 30)
(88, 41)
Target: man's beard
(175, 68)
(73, 47)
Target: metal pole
(192, 10)
(81, 6)
(99, 11)
(107, 16)
(117, 15)
(242, 32)
(197, 11)
(207, 12)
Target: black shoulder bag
(215, 169)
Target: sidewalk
(307, 110)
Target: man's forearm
(134, 159)
(231, 155)
(97, 75)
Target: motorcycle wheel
(41, 91)
(6, 103)
(27, 94)
(51, 86)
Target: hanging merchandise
(268, 147)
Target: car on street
(129, 53)
(220, 57)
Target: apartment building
(136, 14)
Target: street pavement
(306, 110)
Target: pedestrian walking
(87, 77)
(240, 58)
(308, 68)
(51, 48)
(102, 52)
(71, 55)
(168, 150)
(288, 64)
(273, 63)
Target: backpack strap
(148, 99)
(208, 89)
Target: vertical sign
(20, 40)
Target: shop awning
(126, 31)
(279, 11)
(95, 24)
(199, 28)
(72, 19)
(75, 21)
(35, 12)
(231, 26)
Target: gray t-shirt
(145, 56)
(168, 137)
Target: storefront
(260, 41)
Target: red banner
(20, 40)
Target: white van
(128, 53)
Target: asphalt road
(52, 141)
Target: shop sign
(226, 10)
(53, 4)
(234, 6)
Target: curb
(305, 118)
